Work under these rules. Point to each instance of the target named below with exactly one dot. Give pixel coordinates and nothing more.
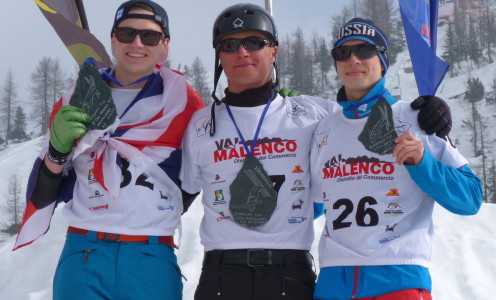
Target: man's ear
(164, 53)
(275, 50)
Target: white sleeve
(190, 174)
(315, 181)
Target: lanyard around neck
(249, 151)
(92, 61)
(360, 103)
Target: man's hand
(68, 125)
(408, 150)
(434, 115)
(285, 92)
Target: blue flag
(420, 24)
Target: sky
(27, 36)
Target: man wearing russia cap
(119, 181)
(379, 175)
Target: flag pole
(268, 6)
(82, 14)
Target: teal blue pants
(95, 269)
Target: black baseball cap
(159, 14)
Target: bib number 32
(127, 177)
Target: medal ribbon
(255, 139)
(92, 61)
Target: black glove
(434, 115)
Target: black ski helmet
(240, 18)
(244, 17)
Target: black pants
(256, 275)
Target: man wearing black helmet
(120, 181)
(249, 153)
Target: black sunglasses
(147, 37)
(251, 43)
(362, 51)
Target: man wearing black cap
(120, 182)
(249, 153)
(379, 175)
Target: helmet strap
(276, 80)
(217, 73)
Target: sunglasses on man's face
(148, 37)
(251, 43)
(362, 51)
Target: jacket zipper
(355, 284)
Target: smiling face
(135, 60)
(247, 69)
(359, 76)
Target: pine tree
(485, 154)
(475, 90)
(487, 28)
(461, 33)
(18, 132)
(381, 12)
(491, 38)
(474, 93)
(13, 207)
(337, 21)
(197, 76)
(324, 64)
(282, 60)
(385, 15)
(48, 83)
(9, 95)
(397, 41)
(474, 51)
(40, 93)
(57, 81)
(492, 182)
(449, 54)
(72, 77)
(300, 65)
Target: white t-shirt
(123, 98)
(375, 213)
(211, 164)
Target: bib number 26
(365, 215)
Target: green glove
(285, 92)
(68, 125)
